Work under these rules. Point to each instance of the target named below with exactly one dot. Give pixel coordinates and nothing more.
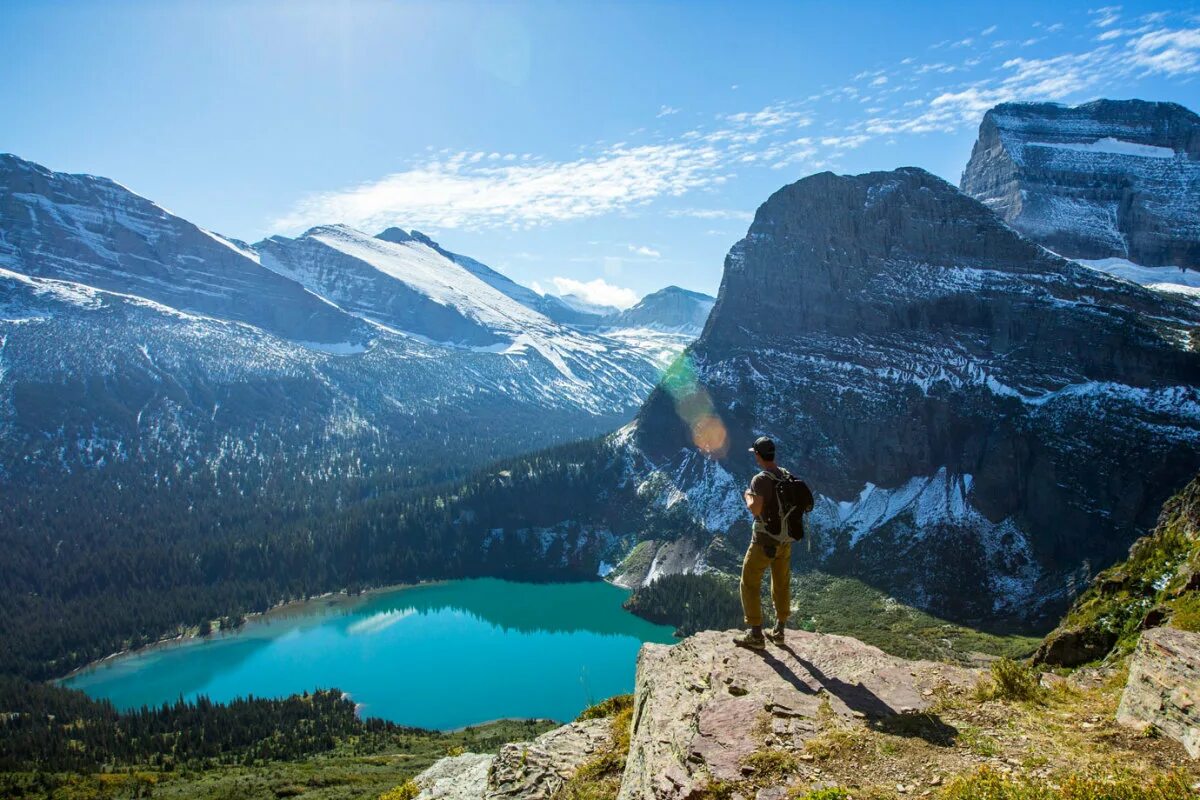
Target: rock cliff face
(972, 411)
(1163, 690)
(1105, 179)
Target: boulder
(461, 777)
(703, 706)
(1163, 690)
(1071, 647)
(537, 770)
(521, 771)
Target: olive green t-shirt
(761, 485)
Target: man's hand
(753, 502)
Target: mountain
(1110, 179)
(972, 410)
(670, 309)
(411, 286)
(130, 334)
(95, 232)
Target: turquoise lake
(440, 655)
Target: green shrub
(405, 791)
(1011, 680)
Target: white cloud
(459, 192)
(879, 81)
(1174, 52)
(642, 250)
(770, 116)
(988, 31)
(712, 213)
(666, 111)
(1105, 16)
(597, 291)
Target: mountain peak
(1106, 179)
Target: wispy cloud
(1173, 52)
(712, 213)
(597, 291)
(465, 190)
(642, 250)
(666, 111)
(1105, 16)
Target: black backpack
(794, 499)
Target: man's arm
(754, 502)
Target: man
(766, 550)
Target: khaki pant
(753, 566)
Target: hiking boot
(751, 640)
(776, 634)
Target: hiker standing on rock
(778, 500)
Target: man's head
(764, 451)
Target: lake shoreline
(282, 609)
(444, 655)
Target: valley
(488, 509)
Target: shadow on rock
(858, 698)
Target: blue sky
(605, 148)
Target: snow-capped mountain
(983, 421)
(129, 334)
(93, 231)
(669, 309)
(1110, 179)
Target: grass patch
(842, 605)
(607, 708)
(988, 784)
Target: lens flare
(695, 407)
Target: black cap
(765, 447)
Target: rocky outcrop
(522, 770)
(1160, 578)
(704, 706)
(1163, 690)
(536, 770)
(971, 410)
(1105, 179)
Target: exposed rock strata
(1105, 179)
(1163, 690)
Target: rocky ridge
(1110, 178)
(128, 334)
(829, 713)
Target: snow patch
(1110, 145)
